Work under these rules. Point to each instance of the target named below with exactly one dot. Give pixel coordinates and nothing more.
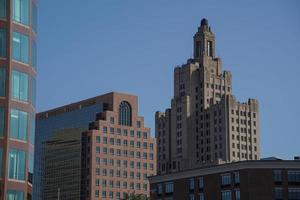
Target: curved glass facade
(18, 63)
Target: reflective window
(30, 167)
(21, 11)
(17, 164)
(15, 195)
(18, 124)
(2, 42)
(2, 81)
(2, 118)
(226, 179)
(278, 193)
(125, 114)
(2, 8)
(34, 17)
(32, 128)
(20, 47)
(19, 86)
(169, 187)
(294, 176)
(294, 193)
(33, 91)
(226, 195)
(34, 55)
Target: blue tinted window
(2, 121)
(2, 42)
(32, 128)
(34, 17)
(34, 56)
(21, 11)
(30, 167)
(125, 113)
(18, 124)
(19, 85)
(17, 164)
(1, 154)
(2, 8)
(2, 81)
(33, 91)
(15, 195)
(20, 47)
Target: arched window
(125, 113)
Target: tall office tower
(97, 148)
(18, 25)
(205, 124)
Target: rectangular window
(277, 176)
(226, 195)
(226, 179)
(21, 11)
(2, 42)
(2, 118)
(33, 91)
(18, 124)
(209, 48)
(294, 176)
(2, 81)
(34, 54)
(20, 47)
(32, 128)
(17, 164)
(201, 183)
(294, 193)
(159, 189)
(236, 177)
(30, 167)
(2, 8)
(192, 184)
(237, 194)
(15, 195)
(19, 86)
(201, 196)
(278, 194)
(34, 17)
(169, 187)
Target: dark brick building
(246, 180)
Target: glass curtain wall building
(18, 31)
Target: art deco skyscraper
(18, 25)
(205, 124)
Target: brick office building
(18, 28)
(244, 180)
(97, 148)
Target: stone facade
(205, 124)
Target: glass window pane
(30, 167)
(21, 11)
(2, 81)
(34, 56)
(15, 195)
(33, 91)
(16, 164)
(19, 86)
(18, 124)
(2, 42)
(2, 121)
(34, 17)
(2, 8)
(20, 47)
(32, 128)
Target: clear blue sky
(90, 47)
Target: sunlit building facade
(18, 29)
(97, 148)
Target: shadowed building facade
(98, 148)
(18, 31)
(206, 124)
